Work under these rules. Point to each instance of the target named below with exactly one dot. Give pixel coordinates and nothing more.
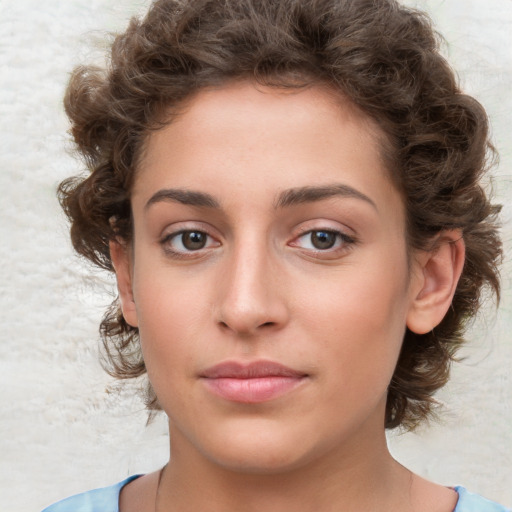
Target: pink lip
(256, 382)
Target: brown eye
(187, 242)
(324, 243)
(193, 240)
(323, 239)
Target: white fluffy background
(62, 430)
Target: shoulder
(105, 499)
(469, 502)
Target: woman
(288, 193)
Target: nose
(252, 296)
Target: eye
(188, 241)
(322, 240)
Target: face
(268, 277)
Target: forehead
(262, 138)
(238, 98)
(248, 104)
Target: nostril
(226, 325)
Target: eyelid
(174, 231)
(175, 234)
(345, 242)
(191, 225)
(339, 233)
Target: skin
(262, 289)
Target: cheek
(171, 319)
(358, 320)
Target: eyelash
(342, 243)
(184, 253)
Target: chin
(261, 451)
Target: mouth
(252, 383)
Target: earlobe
(437, 273)
(119, 253)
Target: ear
(435, 279)
(121, 260)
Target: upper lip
(254, 370)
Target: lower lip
(253, 390)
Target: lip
(256, 382)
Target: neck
(361, 476)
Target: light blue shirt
(469, 502)
(106, 499)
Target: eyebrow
(287, 198)
(188, 197)
(311, 194)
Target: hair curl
(380, 55)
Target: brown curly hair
(380, 55)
